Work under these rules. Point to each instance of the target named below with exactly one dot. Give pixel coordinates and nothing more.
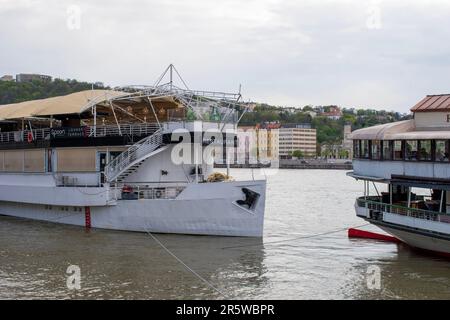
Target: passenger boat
(136, 159)
(411, 158)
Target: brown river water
(305, 254)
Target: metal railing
(374, 203)
(135, 129)
(138, 129)
(174, 90)
(132, 155)
(25, 135)
(159, 192)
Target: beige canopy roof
(402, 130)
(383, 131)
(72, 103)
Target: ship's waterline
(35, 256)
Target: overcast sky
(378, 54)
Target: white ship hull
(419, 233)
(421, 241)
(202, 209)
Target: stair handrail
(138, 150)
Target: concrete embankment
(329, 166)
(298, 164)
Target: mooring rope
(297, 238)
(186, 266)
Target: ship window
(442, 151)
(387, 150)
(398, 150)
(425, 150)
(376, 149)
(356, 148)
(365, 149)
(411, 150)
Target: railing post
(409, 197)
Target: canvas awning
(402, 130)
(384, 131)
(74, 103)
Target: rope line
(297, 238)
(186, 266)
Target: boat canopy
(402, 130)
(162, 102)
(74, 103)
(387, 131)
(148, 104)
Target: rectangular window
(356, 149)
(365, 149)
(398, 150)
(76, 160)
(376, 149)
(425, 150)
(49, 157)
(411, 150)
(442, 151)
(387, 150)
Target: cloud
(287, 52)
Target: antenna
(169, 70)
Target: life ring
(127, 189)
(30, 137)
(158, 194)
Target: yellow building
(255, 145)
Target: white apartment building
(291, 139)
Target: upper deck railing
(24, 135)
(139, 129)
(132, 130)
(374, 203)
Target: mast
(171, 75)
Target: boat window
(411, 150)
(356, 148)
(113, 155)
(442, 151)
(387, 150)
(376, 149)
(365, 149)
(425, 150)
(398, 150)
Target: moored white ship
(136, 160)
(412, 158)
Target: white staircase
(130, 160)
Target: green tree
(12, 92)
(298, 154)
